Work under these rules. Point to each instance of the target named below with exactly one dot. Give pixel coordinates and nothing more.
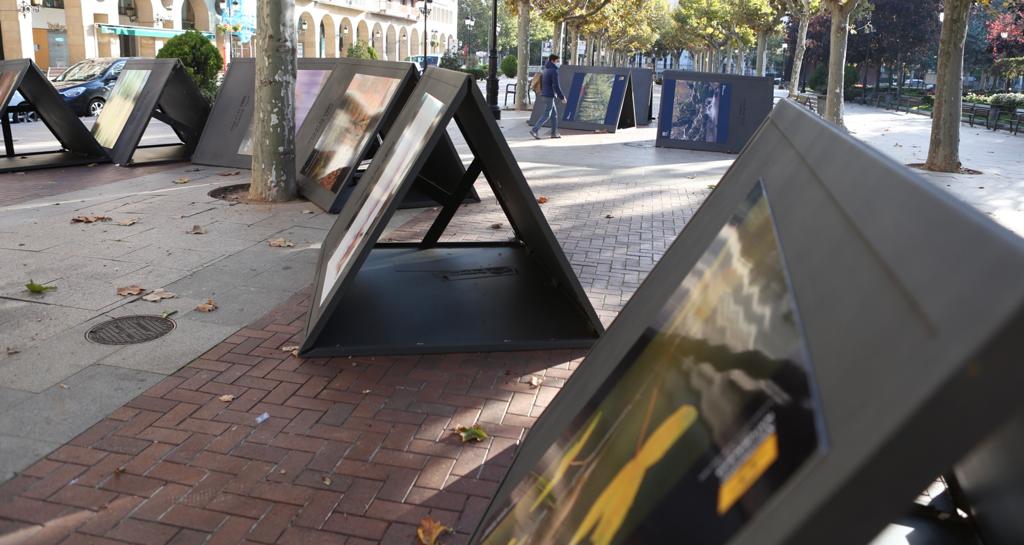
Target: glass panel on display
(120, 105)
(710, 412)
(308, 84)
(597, 98)
(349, 129)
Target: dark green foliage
(200, 57)
(509, 66)
(818, 80)
(361, 50)
(450, 62)
(478, 73)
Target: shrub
(509, 66)
(977, 99)
(450, 62)
(1007, 101)
(478, 73)
(200, 57)
(361, 50)
(818, 80)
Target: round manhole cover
(641, 144)
(130, 330)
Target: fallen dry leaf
(226, 397)
(134, 289)
(208, 306)
(430, 530)
(280, 243)
(183, 180)
(89, 219)
(535, 381)
(608, 216)
(229, 173)
(308, 212)
(63, 386)
(495, 226)
(475, 433)
(326, 480)
(196, 230)
(168, 313)
(12, 351)
(366, 391)
(542, 200)
(158, 294)
(128, 222)
(289, 348)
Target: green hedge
(200, 57)
(1005, 101)
(478, 73)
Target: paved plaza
(218, 429)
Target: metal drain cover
(645, 144)
(130, 330)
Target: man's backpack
(535, 82)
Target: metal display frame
(624, 116)
(233, 111)
(78, 147)
(170, 96)
(750, 103)
(434, 297)
(642, 81)
(913, 324)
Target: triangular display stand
(598, 98)
(78, 146)
(434, 297)
(226, 140)
(829, 333)
(642, 82)
(147, 89)
(706, 111)
(322, 100)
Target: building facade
(59, 33)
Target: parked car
(432, 60)
(86, 85)
(19, 114)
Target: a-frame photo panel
(711, 112)
(829, 333)
(642, 82)
(344, 129)
(597, 99)
(434, 297)
(77, 146)
(150, 89)
(227, 139)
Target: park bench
(1007, 119)
(909, 102)
(972, 111)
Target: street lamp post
(470, 23)
(492, 64)
(425, 10)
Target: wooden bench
(909, 102)
(972, 111)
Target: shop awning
(145, 31)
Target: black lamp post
(470, 23)
(425, 10)
(492, 64)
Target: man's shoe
(556, 135)
(534, 134)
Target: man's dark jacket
(549, 82)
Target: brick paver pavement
(355, 450)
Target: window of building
(59, 4)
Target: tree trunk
(574, 46)
(837, 58)
(944, 148)
(799, 50)
(273, 150)
(523, 56)
(762, 52)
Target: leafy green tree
(361, 50)
(450, 61)
(200, 57)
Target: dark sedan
(86, 85)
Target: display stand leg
(448, 212)
(8, 138)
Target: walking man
(549, 89)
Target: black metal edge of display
(919, 313)
(184, 108)
(331, 95)
(743, 122)
(143, 108)
(643, 102)
(78, 145)
(463, 102)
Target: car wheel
(31, 117)
(96, 106)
